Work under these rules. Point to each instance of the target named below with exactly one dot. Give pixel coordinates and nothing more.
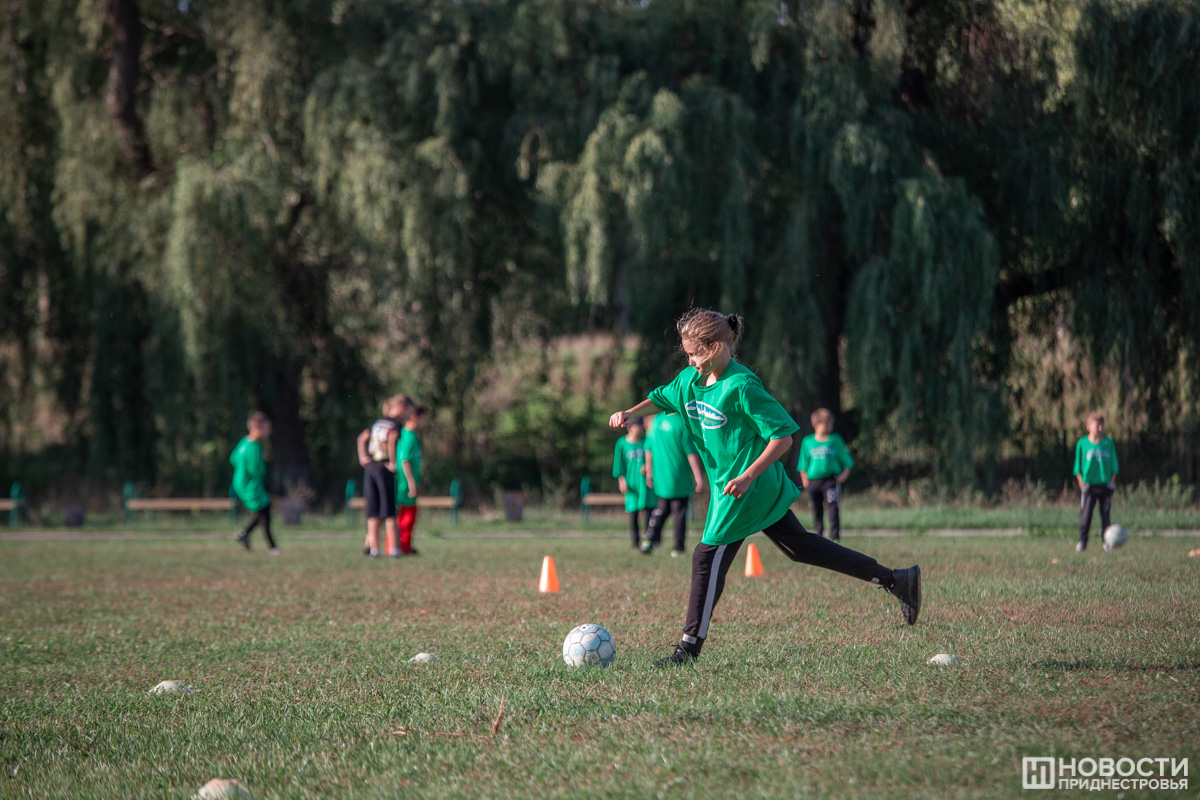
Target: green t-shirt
(628, 460)
(731, 423)
(249, 473)
(407, 449)
(670, 443)
(1097, 463)
(825, 459)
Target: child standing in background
(629, 468)
(824, 466)
(1096, 471)
(377, 455)
(673, 472)
(249, 479)
(408, 479)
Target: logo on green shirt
(710, 418)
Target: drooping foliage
(210, 207)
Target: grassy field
(810, 686)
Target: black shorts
(379, 490)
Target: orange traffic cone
(753, 564)
(549, 582)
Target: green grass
(809, 685)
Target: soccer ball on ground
(589, 644)
(1114, 536)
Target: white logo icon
(1037, 772)
(710, 418)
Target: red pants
(406, 518)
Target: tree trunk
(279, 396)
(124, 74)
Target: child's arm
(770, 454)
(642, 409)
(648, 470)
(410, 477)
(844, 475)
(393, 438)
(697, 471)
(363, 459)
(623, 485)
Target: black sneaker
(908, 590)
(412, 551)
(366, 551)
(680, 656)
(243, 540)
(647, 547)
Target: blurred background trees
(957, 224)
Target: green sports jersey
(1097, 463)
(407, 449)
(628, 460)
(731, 423)
(825, 459)
(669, 442)
(249, 474)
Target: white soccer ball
(1115, 536)
(589, 644)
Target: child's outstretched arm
(643, 408)
(770, 454)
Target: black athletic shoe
(243, 540)
(647, 547)
(680, 656)
(366, 551)
(908, 590)
(412, 551)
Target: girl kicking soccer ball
(741, 432)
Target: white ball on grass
(171, 687)
(1114, 537)
(589, 644)
(223, 789)
(944, 660)
(423, 658)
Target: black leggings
(263, 516)
(677, 506)
(825, 492)
(634, 531)
(1093, 495)
(710, 564)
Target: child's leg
(1087, 505)
(373, 535)
(833, 498)
(710, 564)
(679, 509)
(407, 520)
(634, 532)
(816, 499)
(1106, 508)
(658, 518)
(371, 496)
(808, 548)
(393, 538)
(265, 515)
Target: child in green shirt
(824, 466)
(1096, 471)
(673, 472)
(741, 432)
(408, 478)
(249, 479)
(629, 468)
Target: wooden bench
(134, 504)
(449, 502)
(589, 499)
(14, 504)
